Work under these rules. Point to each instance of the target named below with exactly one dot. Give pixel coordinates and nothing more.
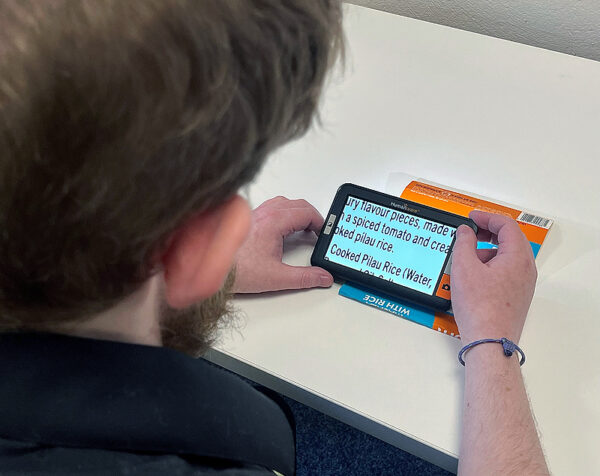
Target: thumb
(302, 277)
(464, 253)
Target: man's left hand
(258, 265)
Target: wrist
(488, 324)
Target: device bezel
(373, 282)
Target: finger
(485, 255)
(301, 203)
(464, 253)
(287, 203)
(273, 202)
(281, 202)
(302, 277)
(299, 219)
(509, 235)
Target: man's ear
(201, 252)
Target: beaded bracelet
(508, 345)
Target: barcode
(535, 220)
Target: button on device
(443, 289)
(329, 225)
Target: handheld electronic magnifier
(388, 244)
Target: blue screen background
(390, 244)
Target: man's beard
(194, 329)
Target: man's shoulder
(75, 401)
(19, 458)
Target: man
(126, 129)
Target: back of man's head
(120, 119)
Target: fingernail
(325, 280)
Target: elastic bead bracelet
(508, 345)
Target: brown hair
(119, 119)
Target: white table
(496, 118)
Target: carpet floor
(328, 447)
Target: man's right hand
(492, 290)
(491, 294)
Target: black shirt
(82, 406)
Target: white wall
(569, 26)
